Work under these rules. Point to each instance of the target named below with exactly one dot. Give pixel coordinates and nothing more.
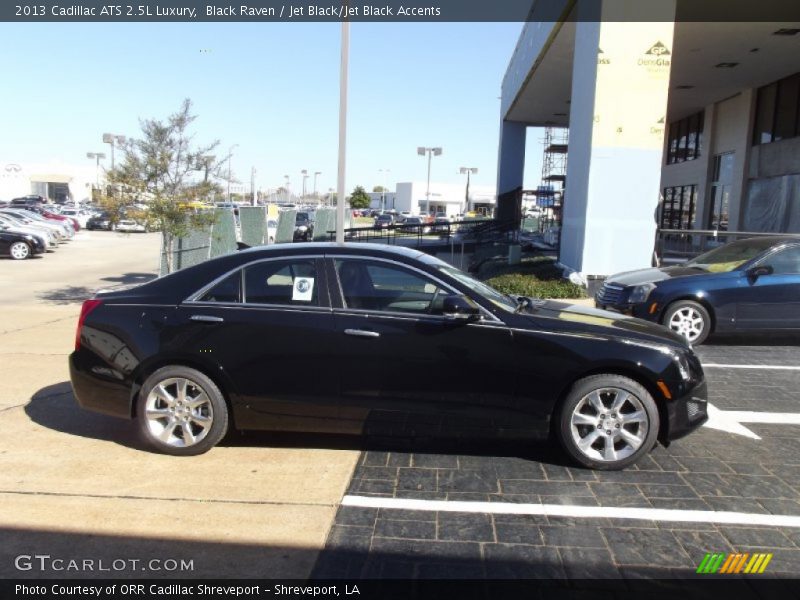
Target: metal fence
(678, 245)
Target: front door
(406, 369)
(772, 301)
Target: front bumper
(641, 311)
(686, 413)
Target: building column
(511, 158)
(620, 84)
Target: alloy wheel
(20, 251)
(178, 412)
(688, 322)
(609, 424)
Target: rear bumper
(98, 388)
(687, 413)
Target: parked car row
(27, 230)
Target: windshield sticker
(303, 289)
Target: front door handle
(206, 318)
(362, 333)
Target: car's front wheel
(181, 411)
(608, 422)
(690, 319)
(20, 250)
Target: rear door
(269, 327)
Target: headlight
(677, 356)
(683, 365)
(641, 293)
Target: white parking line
(776, 367)
(585, 512)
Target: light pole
(342, 166)
(230, 154)
(467, 170)
(421, 150)
(304, 173)
(252, 186)
(111, 138)
(315, 182)
(97, 156)
(383, 187)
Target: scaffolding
(554, 175)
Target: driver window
(785, 262)
(383, 287)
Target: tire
(19, 251)
(690, 319)
(168, 419)
(586, 430)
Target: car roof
(364, 248)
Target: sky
(270, 89)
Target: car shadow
(74, 293)
(757, 339)
(128, 278)
(67, 295)
(537, 451)
(55, 407)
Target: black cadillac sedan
(309, 337)
(751, 285)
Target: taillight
(88, 306)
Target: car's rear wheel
(20, 251)
(181, 411)
(690, 319)
(608, 422)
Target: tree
(359, 198)
(379, 189)
(159, 169)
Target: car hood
(653, 275)
(604, 322)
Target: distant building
(449, 198)
(56, 181)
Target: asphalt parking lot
(396, 521)
(78, 484)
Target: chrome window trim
(193, 298)
(439, 282)
(272, 307)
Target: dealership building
(55, 180)
(674, 124)
(419, 197)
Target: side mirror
(756, 272)
(460, 308)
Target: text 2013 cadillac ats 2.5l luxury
(369, 338)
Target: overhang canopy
(710, 62)
(51, 178)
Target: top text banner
(783, 11)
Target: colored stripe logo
(734, 562)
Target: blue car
(751, 285)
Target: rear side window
(228, 290)
(286, 282)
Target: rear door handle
(206, 318)
(362, 333)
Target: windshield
(480, 288)
(730, 256)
